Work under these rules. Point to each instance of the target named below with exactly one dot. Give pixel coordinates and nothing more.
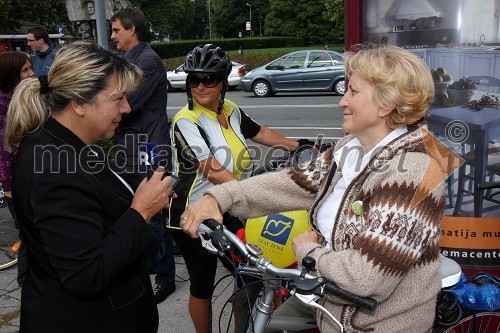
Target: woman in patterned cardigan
(376, 199)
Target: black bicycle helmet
(208, 59)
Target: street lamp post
(260, 22)
(250, 18)
(209, 22)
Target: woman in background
(14, 67)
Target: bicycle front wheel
(9, 240)
(482, 322)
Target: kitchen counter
(471, 49)
(464, 61)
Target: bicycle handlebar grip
(219, 240)
(211, 223)
(366, 302)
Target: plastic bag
(481, 292)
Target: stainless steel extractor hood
(414, 9)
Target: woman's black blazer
(85, 245)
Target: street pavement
(173, 312)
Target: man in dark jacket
(147, 123)
(43, 52)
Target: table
(477, 129)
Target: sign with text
(471, 241)
(249, 26)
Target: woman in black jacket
(84, 228)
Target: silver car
(305, 70)
(177, 77)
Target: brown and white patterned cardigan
(389, 251)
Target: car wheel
(339, 87)
(169, 86)
(261, 89)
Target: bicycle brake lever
(310, 300)
(207, 244)
(218, 237)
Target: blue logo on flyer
(277, 228)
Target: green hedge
(181, 48)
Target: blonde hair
(400, 80)
(80, 71)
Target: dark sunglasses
(208, 81)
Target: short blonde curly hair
(400, 80)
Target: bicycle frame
(264, 319)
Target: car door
(319, 73)
(177, 77)
(289, 76)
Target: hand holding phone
(175, 181)
(175, 184)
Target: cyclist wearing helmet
(208, 139)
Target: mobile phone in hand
(175, 184)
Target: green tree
(167, 18)
(48, 13)
(335, 13)
(230, 16)
(302, 18)
(199, 26)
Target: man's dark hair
(39, 32)
(131, 17)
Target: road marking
(289, 106)
(305, 128)
(315, 137)
(309, 128)
(271, 106)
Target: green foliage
(334, 10)
(230, 17)
(319, 21)
(181, 48)
(168, 18)
(308, 19)
(335, 13)
(199, 26)
(48, 13)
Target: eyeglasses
(31, 40)
(208, 81)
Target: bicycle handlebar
(291, 159)
(366, 302)
(301, 280)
